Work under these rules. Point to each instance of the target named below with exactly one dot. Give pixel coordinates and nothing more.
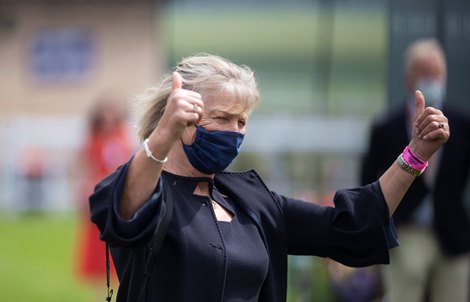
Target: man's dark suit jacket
(451, 222)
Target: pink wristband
(413, 160)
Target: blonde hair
(422, 49)
(205, 74)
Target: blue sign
(61, 54)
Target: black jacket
(357, 232)
(451, 220)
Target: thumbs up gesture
(430, 129)
(184, 108)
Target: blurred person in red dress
(107, 145)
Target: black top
(247, 259)
(201, 261)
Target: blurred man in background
(433, 224)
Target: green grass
(37, 257)
(36, 260)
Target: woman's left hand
(430, 129)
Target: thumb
(177, 81)
(419, 103)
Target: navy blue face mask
(213, 151)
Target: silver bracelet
(149, 154)
(407, 167)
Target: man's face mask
(213, 151)
(433, 91)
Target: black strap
(110, 291)
(155, 245)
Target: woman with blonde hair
(228, 235)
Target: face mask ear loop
(181, 139)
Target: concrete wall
(56, 58)
(123, 53)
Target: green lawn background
(37, 256)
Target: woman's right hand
(184, 108)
